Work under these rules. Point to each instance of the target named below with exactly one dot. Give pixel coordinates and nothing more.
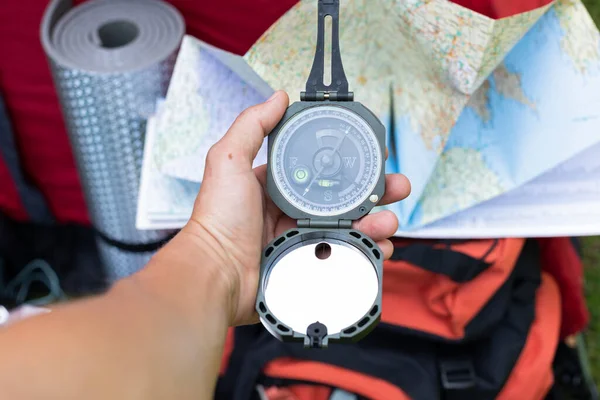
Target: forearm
(156, 335)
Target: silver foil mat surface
(111, 61)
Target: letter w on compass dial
(326, 160)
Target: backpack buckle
(457, 374)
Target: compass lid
(317, 286)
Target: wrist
(190, 276)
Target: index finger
(246, 135)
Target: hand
(234, 216)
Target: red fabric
(508, 8)
(299, 392)
(479, 6)
(532, 376)
(9, 197)
(227, 349)
(560, 259)
(232, 25)
(33, 108)
(440, 306)
(351, 381)
(501, 8)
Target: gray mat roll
(111, 60)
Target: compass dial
(326, 160)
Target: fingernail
(273, 96)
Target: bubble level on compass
(326, 160)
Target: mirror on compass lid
(329, 282)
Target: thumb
(243, 140)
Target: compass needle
(325, 162)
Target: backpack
(485, 327)
(456, 290)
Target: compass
(321, 282)
(325, 160)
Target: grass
(591, 259)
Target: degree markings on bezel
(350, 126)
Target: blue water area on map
(520, 141)
(415, 161)
(391, 164)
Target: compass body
(322, 282)
(326, 161)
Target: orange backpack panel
(331, 375)
(532, 377)
(439, 305)
(227, 349)
(298, 392)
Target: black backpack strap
(404, 362)
(519, 287)
(479, 369)
(32, 199)
(246, 340)
(458, 378)
(456, 265)
(494, 311)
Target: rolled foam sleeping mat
(111, 60)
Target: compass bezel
(361, 209)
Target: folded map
(480, 112)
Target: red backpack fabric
(532, 377)
(9, 197)
(560, 258)
(501, 8)
(444, 290)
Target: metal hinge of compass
(337, 90)
(325, 224)
(322, 96)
